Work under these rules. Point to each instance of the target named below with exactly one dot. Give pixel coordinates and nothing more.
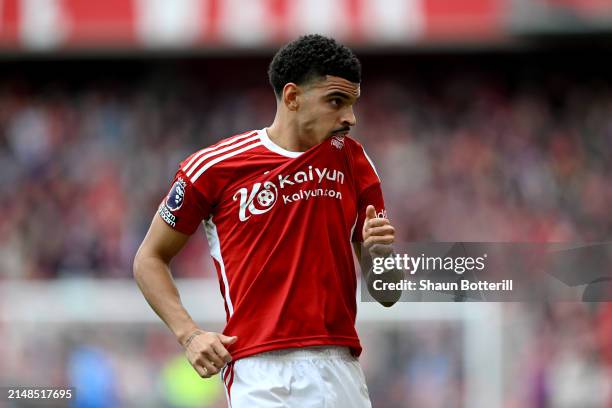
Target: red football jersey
(280, 225)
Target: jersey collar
(270, 145)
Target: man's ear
(290, 96)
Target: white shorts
(321, 377)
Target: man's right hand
(207, 353)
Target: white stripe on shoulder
(225, 143)
(371, 163)
(221, 158)
(217, 152)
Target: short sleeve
(369, 191)
(371, 196)
(184, 207)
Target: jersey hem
(350, 342)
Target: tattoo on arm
(191, 337)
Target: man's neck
(288, 137)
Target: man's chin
(339, 134)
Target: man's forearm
(384, 297)
(156, 283)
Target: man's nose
(348, 118)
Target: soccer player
(281, 207)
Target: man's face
(326, 107)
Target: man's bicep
(178, 217)
(162, 241)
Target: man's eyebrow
(340, 94)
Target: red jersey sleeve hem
(170, 220)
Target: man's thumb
(227, 339)
(370, 212)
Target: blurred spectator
(461, 158)
(91, 373)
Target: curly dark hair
(311, 57)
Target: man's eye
(335, 101)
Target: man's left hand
(378, 234)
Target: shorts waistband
(307, 353)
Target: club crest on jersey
(176, 196)
(337, 141)
(258, 201)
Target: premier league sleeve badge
(176, 196)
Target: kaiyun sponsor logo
(263, 196)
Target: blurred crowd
(468, 159)
(464, 155)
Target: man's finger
(376, 222)
(203, 367)
(201, 370)
(386, 240)
(222, 352)
(227, 339)
(210, 369)
(380, 231)
(214, 358)
(370, 212)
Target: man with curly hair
(281, 207)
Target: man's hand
(207, 353)
(378, 234)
